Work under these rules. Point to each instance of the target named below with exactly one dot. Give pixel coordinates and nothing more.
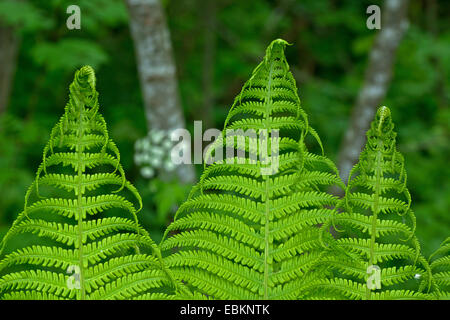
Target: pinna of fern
(376, 254)
(440, 267)
(80, 235)
(249, 228)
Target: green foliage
(376, 226)
(252, 228)
(169, 194)
(248, 231)
(68, 54)
(23, 15)
(162, 199)
(440, 266)
(329, 55)
(77, 219)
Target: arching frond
(376, 254)
(249, 229)
(80, 213)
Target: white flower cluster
(153, 152)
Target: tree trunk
(157, 73)
(376, 81)
(8, 55)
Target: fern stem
(267, 101)
(266, 241)
(375, 212)
(80, 149)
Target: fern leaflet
(440, 267)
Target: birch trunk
(376, 81)
(157, 73)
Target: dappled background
(216, 45)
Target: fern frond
(246, 231)
(376, 254)
(81, 214)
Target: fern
(80, 216)
(248, 230)
(376, 227)
(440, 267)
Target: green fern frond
(78, 236)
(249, 229)
(376, 239)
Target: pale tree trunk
(376, 81)
(8, 55)
(157, 73)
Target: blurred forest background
(216, 45)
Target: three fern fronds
(260, 223)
